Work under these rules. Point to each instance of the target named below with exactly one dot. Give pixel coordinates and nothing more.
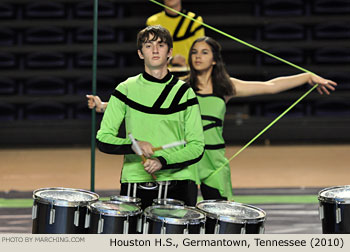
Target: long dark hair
(221, 80)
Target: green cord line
(264, 130)
(260, 50)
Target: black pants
(209, 193)
(185, 190)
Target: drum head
(178, 215)
(64, 196)
(230, 211)
(114, 208)
(126, 199)
(337, 194)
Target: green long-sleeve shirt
(159, 112)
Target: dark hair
(222, 84)
(157, 31)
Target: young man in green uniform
(158, 109)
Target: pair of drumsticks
(166, 146)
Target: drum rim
(169, 200)
(114, 213)
(325, 199)
(63, 203)
(174, 221)
(233, 219)
(135, 201)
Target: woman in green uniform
(214, 87)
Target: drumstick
(171, 145)
(139, 152)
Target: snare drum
(113, 217)
(60, 210)
(228, 217)
(334, 209)
(127, 199)
(170, 219)
(168, 201)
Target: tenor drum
(113, 217)
(168, 201)
(170, 219)
(228, 217)
(334, 209)
(60, 210)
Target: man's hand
(145, 147)
(152, 165)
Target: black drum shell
(154, 227)
(113, 224)
(329, 225)
(231, 228)
(64, 220)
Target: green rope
(260, 50)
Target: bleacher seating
(45, 111)
(46, 60)
(53, 60)
(331, 6)
(283, 8)
(45, 86)
(48, 9)
(45, 35)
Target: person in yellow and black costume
(183, 30)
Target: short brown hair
(157, 31)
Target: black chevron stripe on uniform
(188, 32)
(158, 103)
(151, 110)
(217, 122)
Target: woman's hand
(323, 85)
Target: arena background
(45, 126)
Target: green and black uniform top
(159, 112)
(213, 109)
(214, 169)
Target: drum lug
(338, 214)
(126, 226)
(100, 226)
(262, 230)
(87, 220)
(52, 216)
(76, 217)
(202, 229)
(34, 211)
(321, 212)
(217, 228)
(139, 224)
(163, 229)
(145, 227)
(186, 229)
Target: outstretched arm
(95, 101)
(277, 85)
